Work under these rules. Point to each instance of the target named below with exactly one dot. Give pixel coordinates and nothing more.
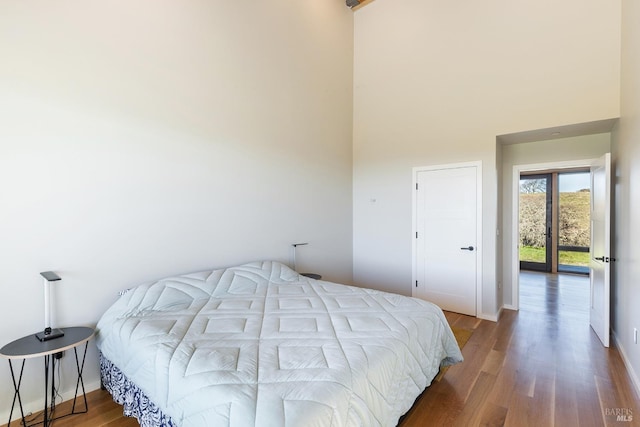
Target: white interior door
(600, 250)
(446, 250)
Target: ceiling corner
(357, 4)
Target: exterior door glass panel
(574, 228)
(535, 222)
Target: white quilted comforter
(261, 345)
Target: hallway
(563, 295)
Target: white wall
(145, 138)
(626, 159)
(544, 152)
(436, 82)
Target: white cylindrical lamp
(48, 333)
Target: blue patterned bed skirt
(134, 401)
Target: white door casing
(447, 236)
(600, 250)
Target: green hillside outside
(574, 227)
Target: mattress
(259, 344)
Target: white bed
(261, 345)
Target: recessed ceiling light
(556, 134)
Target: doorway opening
(600, 237)
(529, 170)
(554, 221)
(554, 229)
(554, 241)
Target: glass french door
(574, 228)
(536, 222)
(554, 221)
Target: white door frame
(414, 225)
(515, 216)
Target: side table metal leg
(45, 420)
(16, 393)
(80, 381)
(52, 405)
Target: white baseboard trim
(491, 317)
(632, 374)
(510, 307)
(37, 405)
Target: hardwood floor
(541, 366)
(103, 411)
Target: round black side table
(29, 347)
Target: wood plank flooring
(540, 366)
